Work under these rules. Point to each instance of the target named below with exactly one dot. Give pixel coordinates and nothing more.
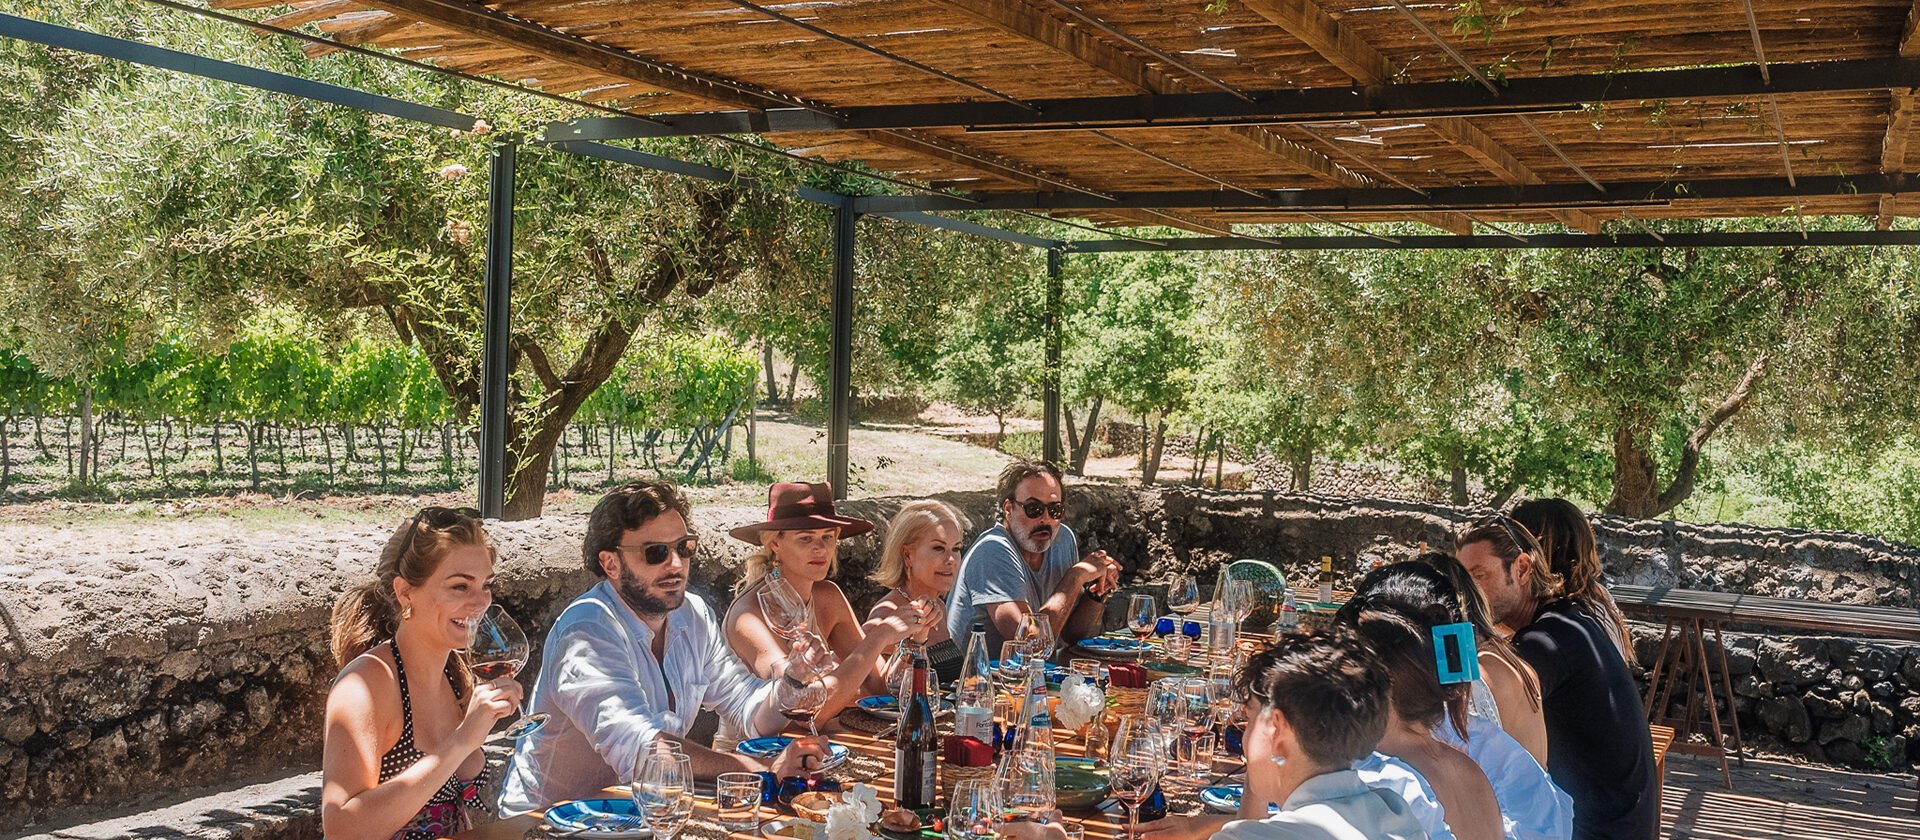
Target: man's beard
(1032, 542)
(642, 599)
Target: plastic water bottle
(1289, 613)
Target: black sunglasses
(1034, 507)
(656, 553)
(1522, 538)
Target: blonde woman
(404, 719)
(918, 564)
(799, 547)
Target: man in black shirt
(1598, 750)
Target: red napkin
(1126, 675)
(967, 751)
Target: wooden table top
(1666, 602)
(1098, 825)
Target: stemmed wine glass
(802, 705)
(663, 792)
(1183, 594)
(1141, 615)
(1134, 766)
(787, 614)
(497, 647)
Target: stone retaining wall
(145, 670)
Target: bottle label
(974, 722)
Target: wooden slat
(1495, 157)
(1852, 619)
(314, 12)
(1305, 20)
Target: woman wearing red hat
(799, 547)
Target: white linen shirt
(1532, 807)
(1388, 773)
(608, 698)
(1332, 806)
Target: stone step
(281, 809)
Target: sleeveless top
(442, 814)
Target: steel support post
(1050, 382)
(840, 384)
(498, 317)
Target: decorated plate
(888, 707)
(1055, 673)
(1269, 590)
(1111, 647)
(1163, 670)
(1223, 799)
(599, 818)
(772, 745)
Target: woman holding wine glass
(405, 718)
(786, 592)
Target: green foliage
(673, 382)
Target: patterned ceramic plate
(1110, 647)
(599, 818)
(1224, 799)
(1269, 590)
(771, 746)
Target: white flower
(867, 799)
(481, 127)
(453, 172)
(845, 822)
(1080, 701)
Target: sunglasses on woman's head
(439, 519)
(656, 553)
(1034, 507)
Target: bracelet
(1097, 597)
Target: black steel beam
(1424, 100)
(964, 226)
(25, 29)
(1749, 239)
(840, 376)
(1374, 199)
(497, 316)
(1050, 379)
(635, 157)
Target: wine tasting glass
(1240, 595)
(497, 647)
(787, 614)
(973, 809)
(1134, 767)
(663, 792)
(1183, 594)
(1141, 615)
(1011, 669)
(802, 705)
(1038, 635)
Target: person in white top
(635, 658)
(1316, 703)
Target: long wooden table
(1689, 613)
(859, 744)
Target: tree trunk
(1220, 466)
(793, 383)
(1457, 475)
(766, 371)
(39, 441)
(1636, 489)
(253, 454)
(380, 444)
(166, 441)
(1000, 435)
(612, 448)
(280, 449)
(86, 429)
(1073, 436)
(66, 442)
(1300, 464)
(219, 458)
(6, 455)
(146, 445)
(1199, 456)
(1086, 438)
(446, 449)
(326, 450)
(1152, 468)
(527, 487)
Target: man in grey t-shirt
(1029, 565)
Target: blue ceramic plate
(771, 746)
(1104, 646)
(1222, 798)
(1055, 673)
(599, 818)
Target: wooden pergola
(1202, 115)
(1594, 115)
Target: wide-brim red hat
(800, 506)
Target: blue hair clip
(1454, 653)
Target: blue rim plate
(771, 746)
(1223, 798)
(1102, 644)
(886, 706)
(580, 815)
(1055, 673)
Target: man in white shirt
(633, 660)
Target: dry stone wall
(143, 671)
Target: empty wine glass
(974, 807)
(1038, 634)
(786, 613)
(1134, 765)
(1183, 594)
(1242, 595)
(1011, 670)
(497, 647)
(663, 792)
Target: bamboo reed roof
(677, 57)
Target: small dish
(792, 828)
(813, 804)
(612, 818)
(1223, 799)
